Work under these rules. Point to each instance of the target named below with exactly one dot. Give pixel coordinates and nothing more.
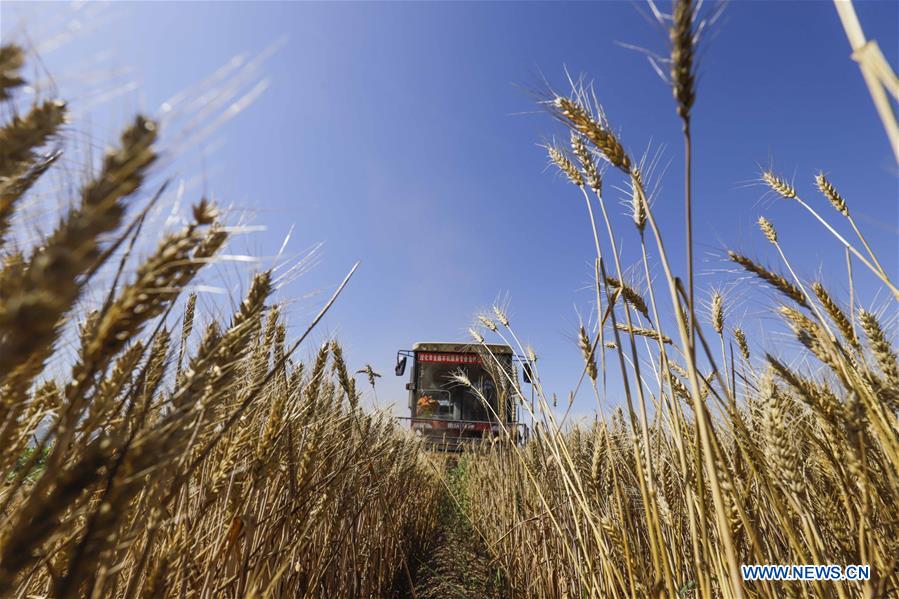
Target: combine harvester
(461, 394)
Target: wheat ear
(780, 186)
(50, 283)
(772, 278)
(12, 58)
(833, 196)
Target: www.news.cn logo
(806, 572)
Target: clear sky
(406, 136)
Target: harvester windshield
(444, 391)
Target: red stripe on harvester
(449, 358)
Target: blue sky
(406, 136)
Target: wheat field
(186, 455)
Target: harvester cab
(460, 393)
